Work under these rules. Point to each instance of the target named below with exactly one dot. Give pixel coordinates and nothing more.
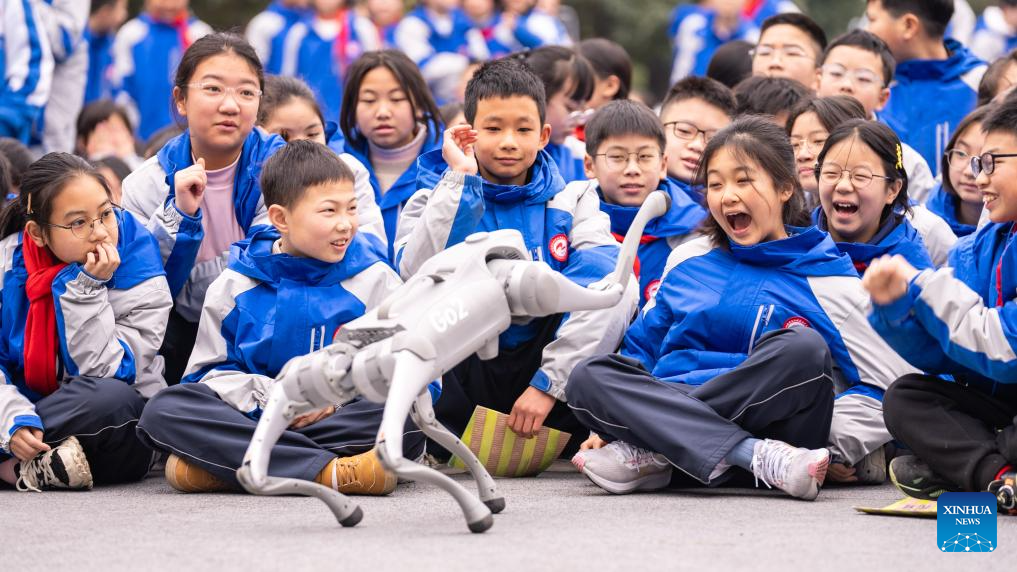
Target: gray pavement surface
(558, 521)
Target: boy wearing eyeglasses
(625, 162)
(937, 80)
(961, 322)
(695, 109)
(790, 46)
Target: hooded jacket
(928, 98)
(106, 329)
(716, 302)
(320, 55)
(146, 54)
(962, 320)
(267, 31)
(391, 202)
(568, 158)
(895, 236)
(993, 38)
(944, 205)
(26, 66)
(442, 46)
(248, 330)
(660, 237)
(693, 39)
(561, 226)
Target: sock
(741, 454)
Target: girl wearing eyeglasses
(863, 198)
(201, 193)
(808, 126)
(958, 200)
(729, 370)
(84, 309)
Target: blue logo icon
(966, 522)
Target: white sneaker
(620, 468)
(62, 467)
(797, 471)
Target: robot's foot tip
(354, 518)
(482, 524)
(496, 505)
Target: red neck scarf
(40, 329)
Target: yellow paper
(906, 506)
(505, 454)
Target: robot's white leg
(253, 473)
(409, 379)
(423, 415)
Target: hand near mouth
(457, 149)
(103, 261)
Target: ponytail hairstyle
(757, 139)
(210, 46)
(41, 184)
(406, 73)
(556, 66)
(885, 144)
(280, 90)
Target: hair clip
(29, 203)
(900, 158)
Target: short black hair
(287, 175)
(761, 95)
(731, 63)
(95, 113)
(609, 59)
(114, 164)
(99, 5)
(934, 15)
(865, 40)
(18, 156)
(279, 91)
(709, 90)
(504, 78)
(620, 118)
(558, 66)
(831, 111)
(1004, 117)
(800, 21)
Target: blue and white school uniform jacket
(568, 158)
(944, 205)
(106, 329)
(993, 37)
(26, 66)
(148, 193)
(249, 329)
(267, 31)
(319, 52)
(66, 21)
(962, 320)
(895, 236)
(391, 202)
(661, 236)
(146, 54)
(442, 46)
(561, 226)
(715, 303)
(693, 39)
(928, 98)
(99, 84)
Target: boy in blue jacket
(936, 80)
(267, 31)
(312, 261)
(695, 109)
(493, 174)
(625, 162)
(960, 322)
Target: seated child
(492, 174)
(959, 322)
(790, 46)
(731, 364)
(312, 259)
(808, 127)
(958, 200)
(625, 162)
(695, 109)
(85, 303)
(771, 97)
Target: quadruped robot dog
(456, 305)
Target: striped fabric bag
(504, 453)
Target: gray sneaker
(620, 468)
(62, 467)
(871, 470)
(797, 471)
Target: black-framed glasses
(987, 162)
(83, 227)
(618, 160)
(860, 177)
(689, 131)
